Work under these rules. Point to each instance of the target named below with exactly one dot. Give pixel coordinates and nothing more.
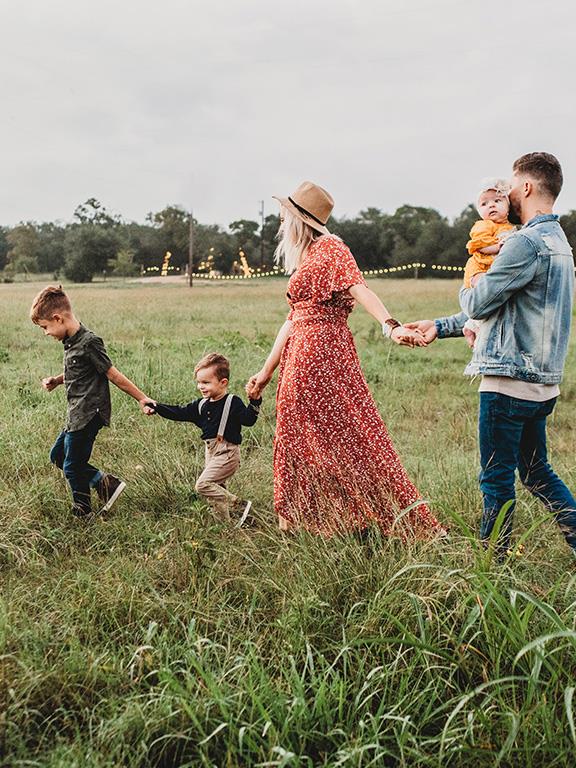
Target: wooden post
(191, 249)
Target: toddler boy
(221, 417)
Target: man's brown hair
(50, 301)
(544, 168)
(220, 364)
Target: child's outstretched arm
(248, 414)
(51, 382)
(188, 412)
(124, 383)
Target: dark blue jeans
(513, 436)
(71, 453)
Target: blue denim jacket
(525, 301)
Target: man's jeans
(71, 453)
(513, 436)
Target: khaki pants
(222, 460)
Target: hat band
(305, 212)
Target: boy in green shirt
(87, 371)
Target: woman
(335, 468)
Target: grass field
(156, 638)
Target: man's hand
(51, 382)
(426, 327)
(470, 337)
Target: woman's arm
(257, 382)
(372, 304)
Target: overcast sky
(218, 105)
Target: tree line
(99, 242)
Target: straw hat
(310, 203)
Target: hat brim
(306, 219)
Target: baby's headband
(502, 186)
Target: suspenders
(223, 418)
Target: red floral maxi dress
(335, 468)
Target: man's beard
(514, 214)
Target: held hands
(147, 406)
(257, 383)
(426, 327)
(405, 336)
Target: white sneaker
(108, 489)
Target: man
(525, 301)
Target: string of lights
(276, 272)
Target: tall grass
(157, 637)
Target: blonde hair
(294, 239)
(50, 301)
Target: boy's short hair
(220, 363)
(50, 301)
(543, 167)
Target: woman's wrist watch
(389, 325)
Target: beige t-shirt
(522, 390)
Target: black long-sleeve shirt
(208, 419)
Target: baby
(486, 238)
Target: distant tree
(408, 225)
(455, 253)
(225, 251)
(50, 247)
(568, 222)
(145, 242)
(245, 238)
(268, 234)
(173, 227)
(24, 244)
(122, 265)
(4, 246)
(208, 242)
(93, 212)
(433, 242)
(88, 249)
(368, 236)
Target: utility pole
(191, 248)
(262, 234)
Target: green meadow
(156, 637)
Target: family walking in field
(335, 466)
